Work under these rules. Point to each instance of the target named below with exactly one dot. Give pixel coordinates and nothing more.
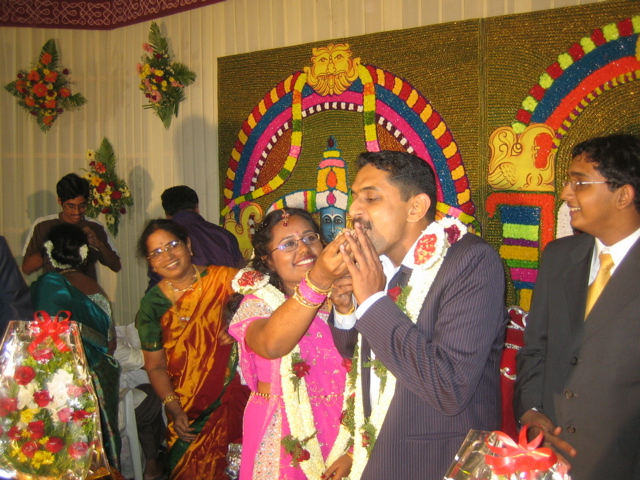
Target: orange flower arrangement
(44, 91)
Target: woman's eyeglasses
(159, 252)
(291, 245)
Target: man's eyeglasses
(291, 245)
(73, 207)
(159, 252)
(575, 184)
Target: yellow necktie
(602, 277)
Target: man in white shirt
(578, 375)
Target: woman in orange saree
(188, 356)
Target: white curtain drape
(150, 158)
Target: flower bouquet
(162, 80)
(495, 456)
(109, 193)
(49, 417)
(44, 91)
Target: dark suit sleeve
(530, 359)
(15, 300)
(344, 340)
(444, 356)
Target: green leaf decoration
(44, 91)
(109, 194)
(161, 80)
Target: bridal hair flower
(48, 246)
(45, 90)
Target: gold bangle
(170, 398)
(350, 454)
(313, 287)
(353, 309)
(298, 297)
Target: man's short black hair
(411, 174)
(71, 186)
(617, 158)
(179, 198)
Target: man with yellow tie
(579, 371)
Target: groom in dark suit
(446, 359)
(579, 370)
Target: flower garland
(303, 442)
(109, 194)
(48, 246)
(431, 248)
(44, 91)
(162, 81)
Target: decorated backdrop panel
(493, 105)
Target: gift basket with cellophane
(49, 415)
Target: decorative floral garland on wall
(109, 194)
(162, 81)
(45, 91)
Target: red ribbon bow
(44, 326)
(524, 457)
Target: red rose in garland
(24, 375)
(44, 90)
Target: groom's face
(377, 205)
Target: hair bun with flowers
(44, 90)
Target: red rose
(29, 449)
(116, 195)
(51, 77)
(250, 278)
(46, 59)
(158, 79)
(40, 89)
(8, 405)
(158, 56)
(106, 210)
(50, 104)
(453, 234)
(75, 391)
(33, 76)
(42, 398)
(95, 201)
(65, 415)
(30, 102)
(64, 92)
(347, 363)
(65, 71)
(54, 444)
(394, 293)
(43, 355)
(102, 187)
(123, 210)
(301, 369)
(36, 429)
(14, 433)
(78, 449)
(80, 415)
(304, 455)
(24, 375)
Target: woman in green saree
(67, 289)
(190, 359)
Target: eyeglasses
(159, 252)
(575, 184)
(73, 207)
(291, 245)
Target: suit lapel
(576, 281)
(620, 290)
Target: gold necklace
(174, 291)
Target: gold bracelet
(170, 398)
(298, 297)
(313, 287)
(350, 454)
(353, 309)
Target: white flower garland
(296, 402)
(48, 246)
(422, 277)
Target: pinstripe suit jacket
(447, 365)
(585, 375)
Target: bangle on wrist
(316, 289)
(309, 293)
(350, 312)
(170, 398)
(302, 300)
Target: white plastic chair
(130, 430)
